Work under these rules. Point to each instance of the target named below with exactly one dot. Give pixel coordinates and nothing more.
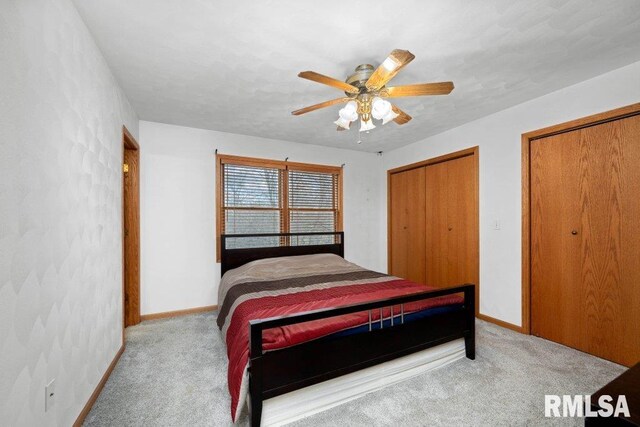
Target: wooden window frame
(284, 189)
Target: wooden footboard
(281, 371)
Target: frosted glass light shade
(380, 108)
(366, 126)
(349, 112)
(389, 117)
(343, 123)
(351, 106)
(349, 115)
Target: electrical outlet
(49, 395)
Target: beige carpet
(174, 373)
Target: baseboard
(176, 313)
(94, 396)
(500, 323)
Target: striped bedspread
(288, 285)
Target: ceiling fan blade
(320, 105)
(442, 88)
(395, 62)
(340, 128)
(402, 116)
(329, 81)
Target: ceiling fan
(366, 92)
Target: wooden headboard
(288, 244)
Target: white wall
(61, 114)
(499, 138)
(178, 194)
(177, 167)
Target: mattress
(288, 285)
(290, 407)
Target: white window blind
(278, 199)
(313, 204)
(252, 204)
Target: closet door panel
(436, 225)
(630, 240)
(462, 234)
(611, 239)
(555, 250)
(399, 224)
(585, 239)
(416, 219)
(600, 228)
(408, 225)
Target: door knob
(450, 228)
(574, 232)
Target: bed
(295, 315)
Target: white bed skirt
(310, 400)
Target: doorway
(130, 228)
(581, 234)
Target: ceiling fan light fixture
(368, 96)
(366, 126)
(344, 124)
(351, 106)
(390, 116)
(380, 108)
(349, 112)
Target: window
(258, 196)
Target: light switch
(496, 224)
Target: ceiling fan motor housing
(360, 77)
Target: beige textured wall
(61, 113)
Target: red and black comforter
(279, 286)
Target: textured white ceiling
(231, 65)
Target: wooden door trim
(128, 140)
(130, 143)
(593, 120)
(473, 151)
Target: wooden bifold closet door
(451, 228)
(433, 221)
(585, 239)
(407, 196)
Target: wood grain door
(555, 257)
(452, 222)
(462, 221)
(437, 225)
(585, 239)
(131, 232)
(407, 224)
(433, 220)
